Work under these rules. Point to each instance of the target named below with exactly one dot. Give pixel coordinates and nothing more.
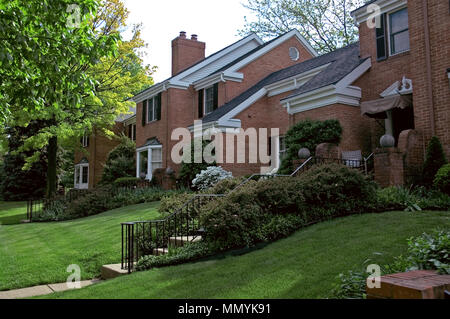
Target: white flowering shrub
(209, 177)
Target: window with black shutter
(134, 132)
(216, 96)
(144, 112)
(381, 39)
(200, 104)
(211, 99)
(158, 107)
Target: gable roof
(340, 63)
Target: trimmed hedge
(442, 179)
(271, 209)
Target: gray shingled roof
(343, 61)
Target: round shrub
(434, 160)
(209, 177)
(442, 179)
(120, 161)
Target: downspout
(428, 64)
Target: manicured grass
(304, 265)
(39, 253)
(12, 212)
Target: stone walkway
(41, 290)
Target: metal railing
(142, 238)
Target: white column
(388, 123)
(149, 164)
(138, 164)
(276, 152)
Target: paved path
(41, 290)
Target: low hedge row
(100, 200)
(270, 209)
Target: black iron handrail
(142, 238)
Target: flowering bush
(210, 177)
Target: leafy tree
(15, 183)
(434, 160)
(75, 76)
(120, 162)
(326, 24)
(309, 134)
(190, 169)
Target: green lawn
(304, 265)
(39, 253)
(12, 212)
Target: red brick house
(395, 80)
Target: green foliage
(100, 200)
(210, 177)
(224, 186)
(172, 202)
(176, 256)
(126, 181)
(189, 167)
(411, 199)
(17, 184)
(442, 179)
(270, 209)
(434, 160)
(120, 162)
(309, 134)
(430, 252)
(425, 252)
(325, 24)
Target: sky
(216, 22)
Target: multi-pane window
(156, 158)
(81, 176)
(132, 132)
(398, 31)
(151, 109)
(209, 100)
(85, 141)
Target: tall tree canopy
(326, 24)
(64, 61)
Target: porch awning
(378, 108)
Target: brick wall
(355, 135)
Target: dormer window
(208, 100)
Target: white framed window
(131, 130)
(85, 141)
(148, 159)
(209, 100)
(398, 31)
(81, 180)
(153, 109)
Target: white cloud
(214, 21)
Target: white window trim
(279, 148)
(79, 184)
(85, 140)
(388, 31)
(133, 129)
(204, 100)
(152, 99)
(149, 149)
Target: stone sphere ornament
(169, 171)
(304, 153)
(387, 140)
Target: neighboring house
(89, 161)
(395, 80)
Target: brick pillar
(389, 170)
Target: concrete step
(113, 271)
(181, 240)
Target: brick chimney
(186, 52)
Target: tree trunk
(51, 169)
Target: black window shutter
(200, 103)
(87, 141)
(270, 150)
(158, 107)
(216, 96)
(144, 112)
(134, 132)
(381, 39)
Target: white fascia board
(208, 60)
(361, 15)
(130, 120)
(216, 78)
(269, 47)
(220, 125)
(293, 82)
(152, 91)
(355, 74)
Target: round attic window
(294, 54)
